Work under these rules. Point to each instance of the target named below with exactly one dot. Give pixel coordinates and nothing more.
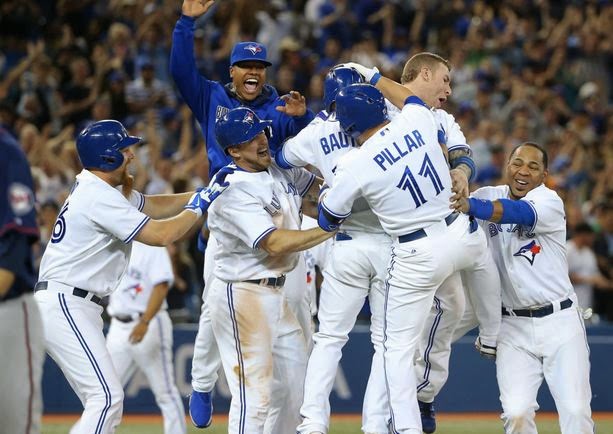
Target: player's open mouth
(263, 153)
(521, 184)
(251, 85)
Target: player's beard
(127, 182)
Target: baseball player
(21, 333)
(427, 76)
(357, 270)
(87, 256)
(542, 335)
(262, 346)
(140, 335)
(209, 101)
(402, 173)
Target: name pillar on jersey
(395, 153)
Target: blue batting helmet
(360, 107)
(99, 145)
(337, 79)
(238, 126)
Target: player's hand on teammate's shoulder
(196, 8)
(295, 104)
(200, 201)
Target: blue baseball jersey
(18, 228)
(209, 100)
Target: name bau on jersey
(392, 154)
(336, 141)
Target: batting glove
(371, 75)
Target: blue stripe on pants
(241, 367)
(92, 359)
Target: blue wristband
(518, 212)
(482, 209)
(465, 159)
(375, 78)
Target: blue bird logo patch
(529, 251)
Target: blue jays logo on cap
(249, 51)
(529, 251)
(253, 48)
(248, 117)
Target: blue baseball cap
(249, 51)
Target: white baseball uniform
(480, 289)
(84, 261)
(149, 266)
(403, 176)
(551, 344)
(356, 271)
(262, 346)
(206, 361)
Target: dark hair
(534, 145)
(583, 228)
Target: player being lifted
(87, 255)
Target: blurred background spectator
(522, 70)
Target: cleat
(485, 350)
(428, 417)
(201, 409)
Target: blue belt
(420, 233)
(538, 312)
(78, 292)
(270, 281)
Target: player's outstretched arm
(162, 206)
(498, 211)
(164, 232)
(391, 90)
(283, 241)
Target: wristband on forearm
(466, 160)
(482, 209)
(375, 79)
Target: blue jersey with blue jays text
(209, 100)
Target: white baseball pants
(206, 361)
(153, 356)
(74, 339)
(263, 352)
(22, 358)
(481, 295)
(416, 269)
(356, 270)
(432, 363)
(553, 348)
